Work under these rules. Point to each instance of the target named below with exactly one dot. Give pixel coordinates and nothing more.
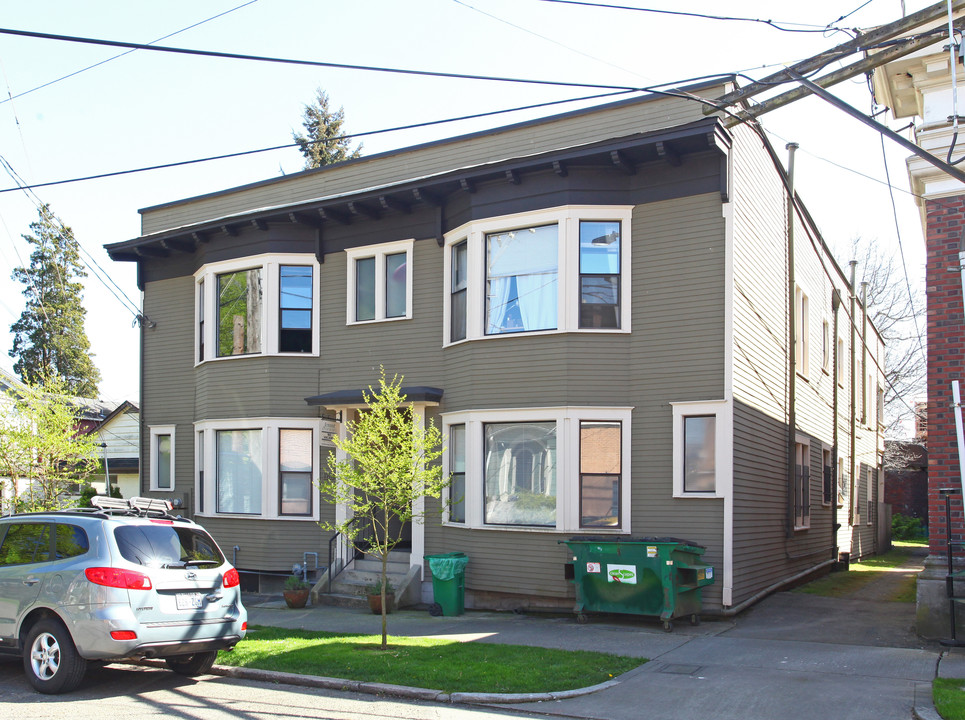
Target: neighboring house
(906, 482)
(920, 86)
(595, 307)
(119, 437)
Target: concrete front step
(341, 600)
(352, 582)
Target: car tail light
(244, 625)
(162, 522)
(113, 577)
(231, 579)
(124, 635)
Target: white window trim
(802, 331)
(567, 421)
(269, 428)
(156, 432)
(804, 441)
(829, 450)
(568, 218)
(724, 441)
(827, 351)
(270, 321)
(378, 252)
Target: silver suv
(124, 579)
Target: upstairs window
(379, 282)
(261, 305)
(599, 274)
(239, 313)
(295, 309)
(457, 314)
(521, 280)
(802, 354)
(556, 270)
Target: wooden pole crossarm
(905, 47)
(862, 42)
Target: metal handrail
(332, 571)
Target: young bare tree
(896, 307)
(389, 464)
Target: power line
(548, 39)
(310, 63)
(102, 62)
(272, 148)
(776, 24)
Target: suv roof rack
(133, 506)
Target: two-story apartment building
(602, 310)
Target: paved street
(135, 693)
(791, 656)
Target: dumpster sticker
(593, 567)
(622, 574)
(651, 551)
(706, 574)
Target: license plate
(189, 601)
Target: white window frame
(379, 252)
(724, 440)
(158, 431)
(826, 349)
(802, 332)
(269, 264)
(567, 421)
(841, 362)
(568, 218)
(271, 478)
(805, 524)
(828, 452)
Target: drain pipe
(835, 370)
(793, 348)
(851, 458)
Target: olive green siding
(378, 170)
(709, 322)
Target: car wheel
(191, 665)
(50, 659)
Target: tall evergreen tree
(322, 143)
(49, 338)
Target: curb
(403, 691)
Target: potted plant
(296, 592)
(374, 592)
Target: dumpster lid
(630, 539)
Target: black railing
(350, 550)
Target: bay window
(257, 467)
(557, 469)
(260, 305)
(561, 269)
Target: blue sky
(150, 108)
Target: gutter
(731, 611)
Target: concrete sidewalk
(792, 655)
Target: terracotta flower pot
(375, 603)
(296, 598)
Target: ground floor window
(257, 467)
(802, 485)
(555, 468)
(702, 438)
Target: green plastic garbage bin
(448, 583)
(660, 577)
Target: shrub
(294, 582)
(904, 527)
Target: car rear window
(167, 545)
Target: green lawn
(949, 697)
(439, 664)
(860, 574)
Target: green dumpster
(660, 577)
(448, 583)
